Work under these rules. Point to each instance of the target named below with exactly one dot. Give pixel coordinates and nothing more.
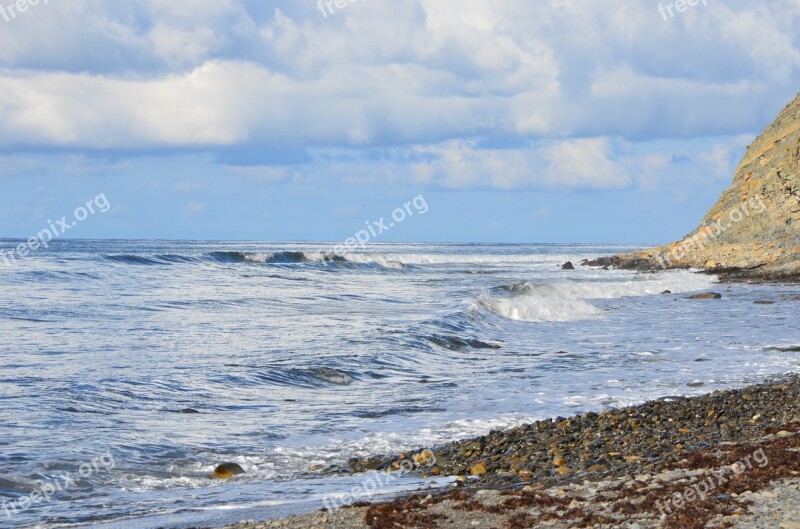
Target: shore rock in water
(227, 471)
(707, 295)
(568, 266)
(753, 231)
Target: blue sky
(518, 121)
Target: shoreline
(619, 456)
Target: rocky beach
(729, 459)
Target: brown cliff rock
(753, 231)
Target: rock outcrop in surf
(753, 231)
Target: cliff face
(754, 228)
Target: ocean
(130, 369)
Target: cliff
(753, 231)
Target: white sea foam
(569, 300)
(539, 308)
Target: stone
(227, 471)
(568, 266)
(706, 295)
(479, 469)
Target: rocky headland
(753, 231)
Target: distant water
(297, 358)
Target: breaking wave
(570, 300)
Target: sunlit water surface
(297, 359)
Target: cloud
(166, 74)
(724, 155)
(18, 165)
(568, 164)
(79, 164)
(190, 187)
(194, 209)
(459, 94)
(346, 211)
(265, 173)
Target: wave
(570, 300)
(264, 258)
(539, 308)
(315, 377)
(385, 260)
(455, 343)
(270, 258)
(132, 259)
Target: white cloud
(207, 73)
(585, 163)
(560, 78)
(461, 164)
(18, 165)
(265, 173)
(190, 187)
(573, 163)
(194, 209)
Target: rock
(707, 295)
(666, 292)
(479, 469)
(189, 410)
(761, 212)
(227, 471)
(423, 458)
(761, 302)
(568, 266)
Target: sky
(516, 120)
